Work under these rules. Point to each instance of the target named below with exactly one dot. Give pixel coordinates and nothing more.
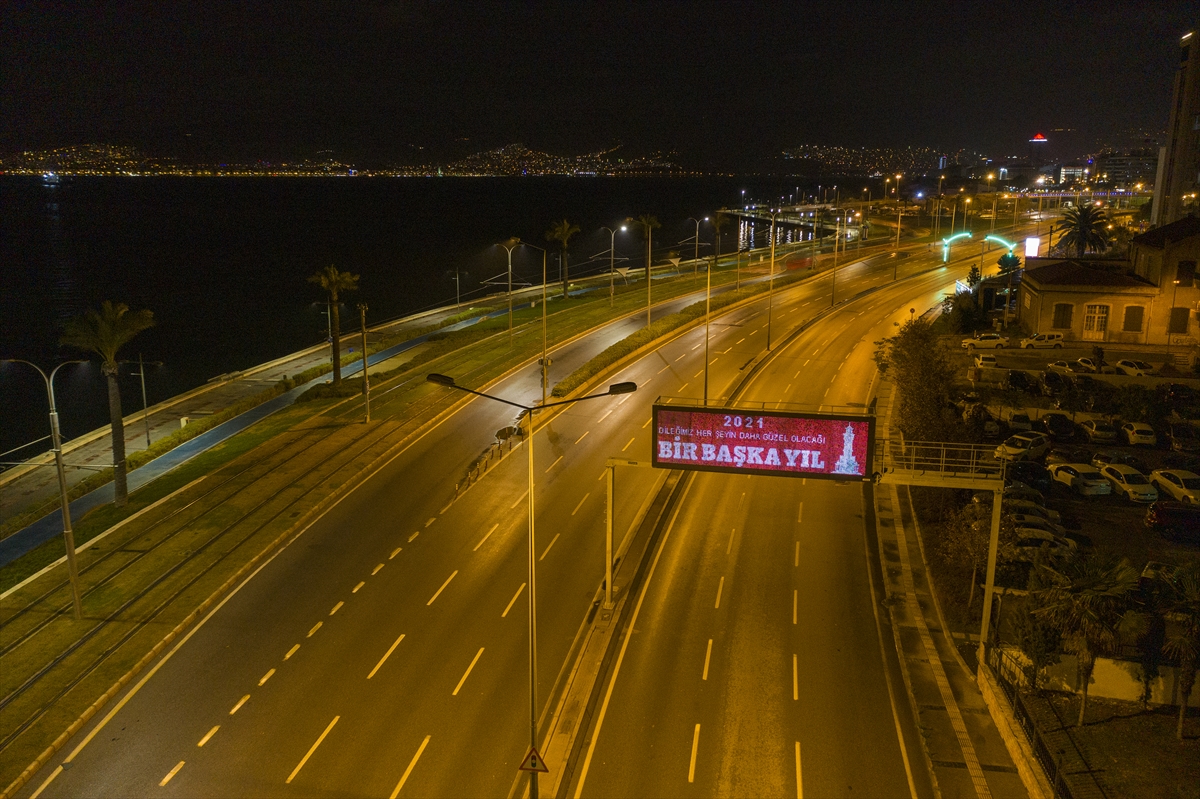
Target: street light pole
(696, 252)
(366, 388)
(545, 355)
(511, 245)
(899, 211)
(1170, 319)
(145, 409)
(771, 281)
(616, 388)
(612, 252)
(56, 441)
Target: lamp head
(622, 388)
(441, 380)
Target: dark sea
(222, 263)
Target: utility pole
(366, 386)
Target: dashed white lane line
(556, 462)
(605, 416)
(513, 601)
(354, 590)
(375, 571)
(467, 673)
(720, 588)
(265, 677)
(414, 535)
(796, 558)
(486, 537)
(739, 341)
(311, 749)
(443, 588)
(707, 658)
(729, 546)
(795, 679)
(695, 746)
(395, 552)
(799, 781)
(800, 513)
(628, 445)
(547, 550)
(209, 734)
(386, 655)
(698, 346)
(582, 437)
(795, 603)
(408, 770)
(432, 519)
(697, 374)
(580, 505)
(519, 499)
(315, 627)
(336, 608)
(684, 355)
(685, 385)
(291, 652)
(789, 388)
(603, 474)
(241, 702)
(665, 368)
(171, 774)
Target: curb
(1031, 773)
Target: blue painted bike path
(50, 525)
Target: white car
(1178, 484)
(1023, 447)
(1030, 539)
(1037, 523)
(1139, 433)
(1083, 478)
(985, 341)
(1134, 368)
(1130, 482)
(985, 359)
(1043, 341)
(1029, 508)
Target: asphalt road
(384, 650)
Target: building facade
(1176, 193)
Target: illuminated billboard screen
(769, 442)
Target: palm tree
(1086, 599)
(562, 232)
(1182, 603)
(333, 280)
(104, 333)
(1083, 228)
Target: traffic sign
(533, 762)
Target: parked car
(1130, 482)
(1175, 520)
(1028, 473)
(1188, 461)
(1032, 509)
(1183, 438)
(1082, 478)
(1030, 540)
(1139, 434)
(1020, 491)
(1051, 384)
(1177, 395)
(1043, 341)
(1023, 447)
(1088, 365)
(985, 359)
(1134, 368)
(1177, 484)
(1017, 380)
(1018, 422)
(1098, 430)
(1105, 457)
(985, 341)
(1065, 455)
(1058, 426)
(1036, 522)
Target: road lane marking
(291, 652)
(684, 355)
(695, 745)
(796, 561)
(432, 519)
(685, 385)
(697, 374)
(316, 627)
(582, 437)
(443, 588)
(795, 680)
(789, 388)
(467, 673)
(386, 655)
(665, 368)
(551, 466)
(355, 589)
(395, 552)
(720, 588)
(265, 677)
(800, 514)
(605, 416)
(603, 474)
(741, 500)
(520, 499)
(647, 422)
(726, 352)
(336, 608)
(580, 505)
(486, 537)
(795, 603)
(209, 734)
(408, 770)
(729, 546)
(739, 341)
(552, 540)
(171, 774)
(630, 442)
(797, 375)
(806, 363)
(311, 749)
(241, 702)
(375, 571)
(799, 781)
(414, 535)
(513, 601)
(707, 657)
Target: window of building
(1179, 320)
(1185, 273)
(1026, 294)
(1133, 319)
(1062, 315)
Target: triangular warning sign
(533, 762)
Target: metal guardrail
(938, 459)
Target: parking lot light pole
(616, 388)
(510, 245)
(56, 440)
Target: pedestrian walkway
(963, 747)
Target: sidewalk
(963, 748)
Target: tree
(1181, 601)
(648, 224)
(1039, 641)
(334, 281)
(1008, 263)
(966, 535)
(1084, 229)
(562, 233)
(973, 277)
(1086, 599)
(104, 333)
(923, 378)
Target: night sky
(724, 84)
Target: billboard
(832, 446)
